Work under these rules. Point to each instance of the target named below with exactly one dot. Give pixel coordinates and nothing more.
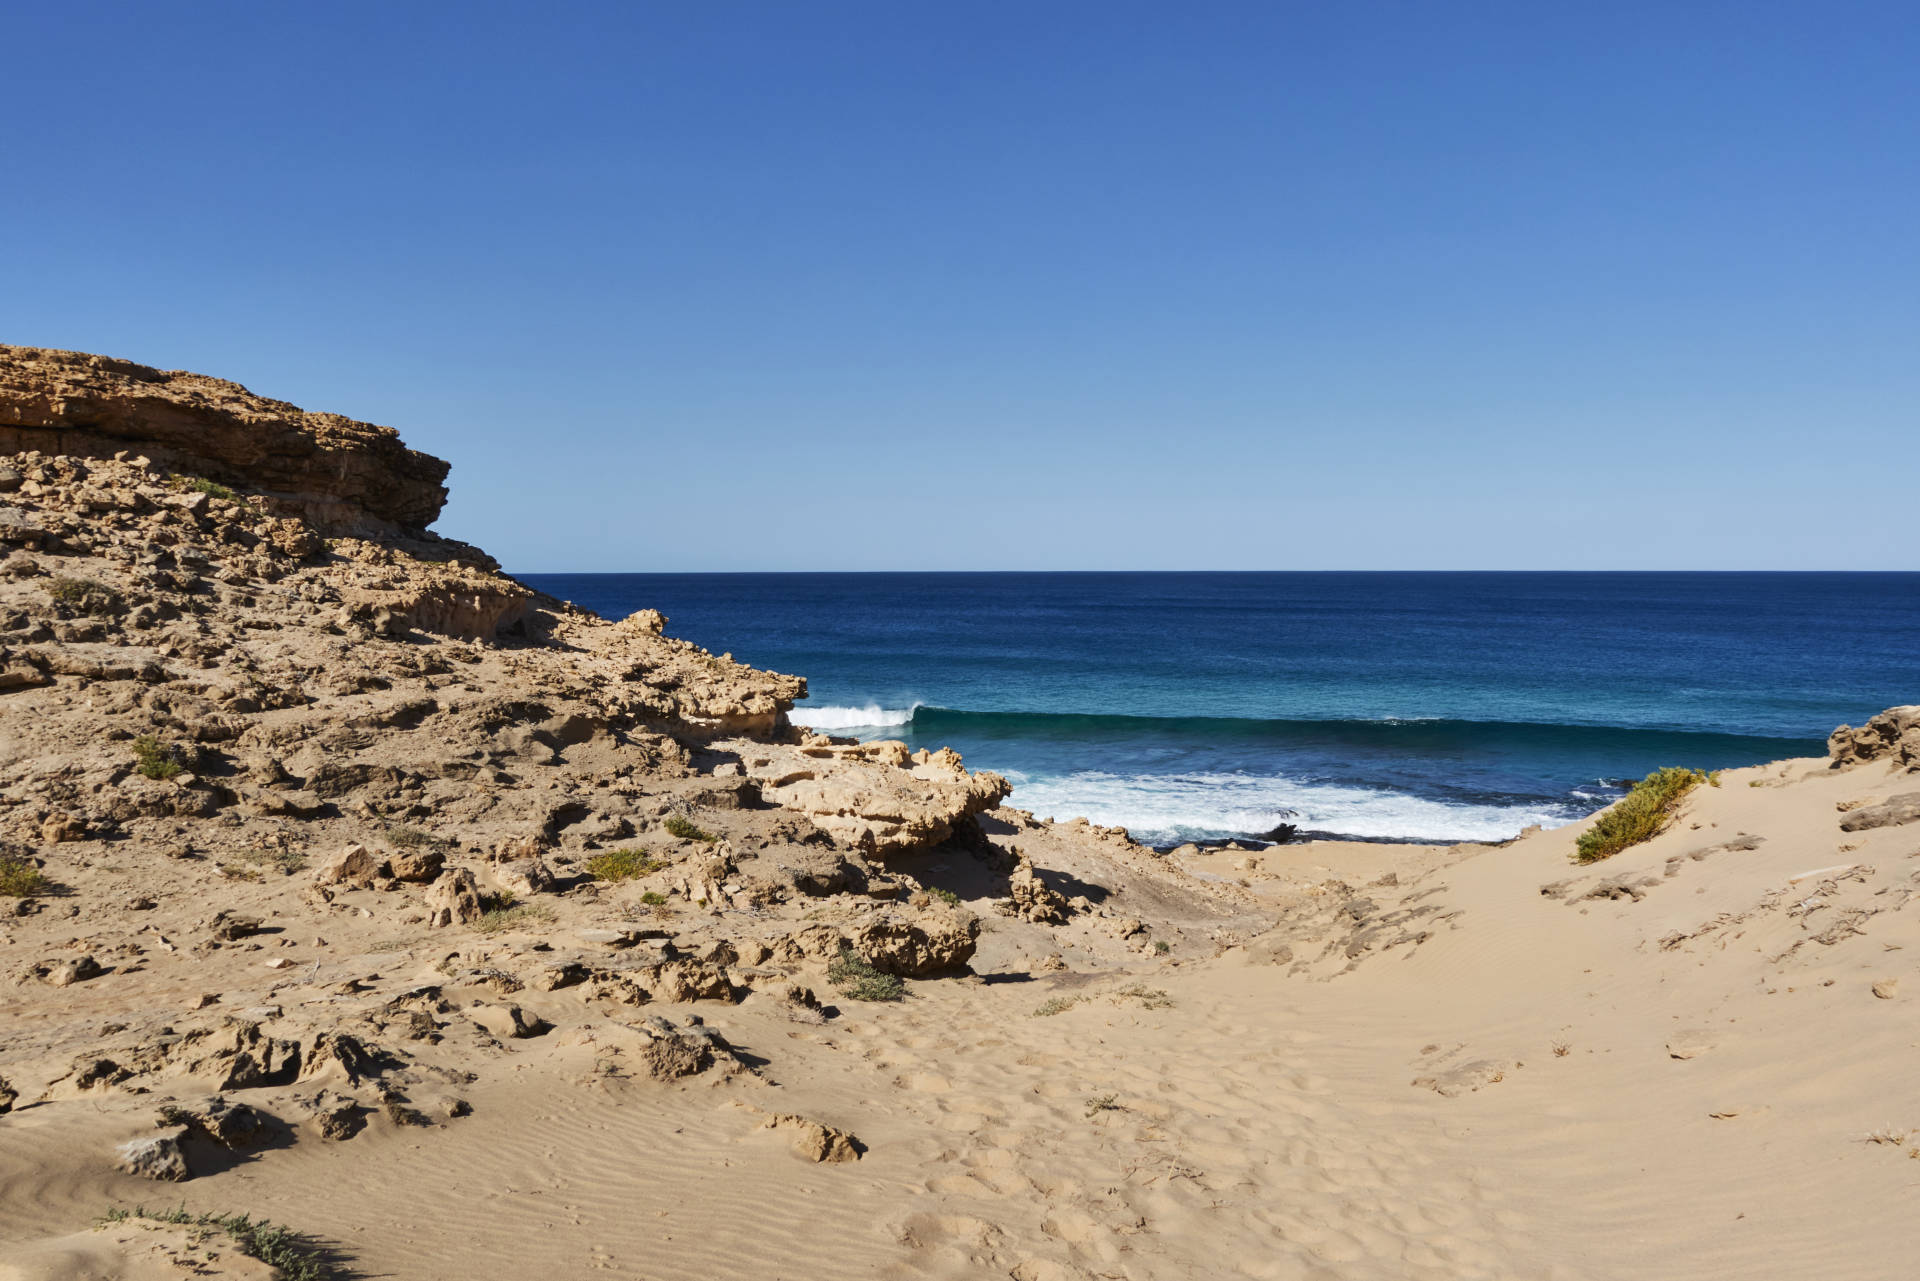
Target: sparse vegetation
(1638, 816)
(686, 831)
(500, 913)
(1098, 1103)
(285, 862)
(1161, 947)
(945, 896)
(87, 595)
(201, 485)
(856, 977)
(413, 838)
(1890, 1135)
(1561, 1049)
(297, 1258)
(1152, 998)
(653, 898)
(154, 759)
(1055, 1005)
(623, 865)
(21, 879)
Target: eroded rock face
(914, 944)
(878, 798)
(1892, 735)
(342, 474)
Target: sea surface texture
(1429, 706)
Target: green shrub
(86, 595)
(294, 1255)
(654, 899)
(623, 865)
(946, 896)
(1055, 1005)
(686, 831)
(1638, 816)
(1161, 947)
(153, 759)
(20, 879)
(201, 485)
(410, 838)
(855, 976)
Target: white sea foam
(1160, 808)
(869, 717)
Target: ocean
(1377, 706)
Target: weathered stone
(159, 1156)
(418, 865)
(1892, 735)
(454, 900)
(915, 944)
(1904, 808)
(354, 867)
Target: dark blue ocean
(1428, 706)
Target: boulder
(454, 900)
(914, 944)
(354, 867)
(418, 865)
(526, 878)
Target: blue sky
(1023, 285)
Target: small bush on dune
(652, 899)
(856, 977)
(623, 865)
(296, 1257)
(1638, 816)
(21, 879)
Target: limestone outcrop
(1893, 735)
(341, 474)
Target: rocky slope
(306, 813)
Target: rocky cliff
(343, 476)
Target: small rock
(352, 867)
(159, 1156)
(78, 970)
(508, 1021)
(418, 865)
(1886, 989)
(229, 926)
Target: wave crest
(872, 716)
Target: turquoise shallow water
(1421, 706)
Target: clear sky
(1023, 285)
